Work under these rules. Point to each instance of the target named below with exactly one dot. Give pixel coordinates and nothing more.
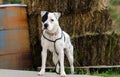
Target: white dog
(56, 41)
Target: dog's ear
(43, 13)
(57, 14)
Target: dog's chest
(51, 46)
(53, 43)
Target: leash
(54, 41)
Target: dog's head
(50, 20)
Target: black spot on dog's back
(45, 17)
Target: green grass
(108, 75)
(106, 72)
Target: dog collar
(51, 34)
(55, 39)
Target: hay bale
(101, 49)
(78, 18)
(82, 15)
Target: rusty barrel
(14, 37)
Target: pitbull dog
(56, 41)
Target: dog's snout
(45, 25)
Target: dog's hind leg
(56, 62)
(69, 54)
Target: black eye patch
(45, 17)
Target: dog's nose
(45, 25)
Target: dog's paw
(63, 75)
(57, 69)
(41, 73)
(72, 70)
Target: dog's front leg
(61, 59)
(44, 56)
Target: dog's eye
(51, 20)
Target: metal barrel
(14, 37)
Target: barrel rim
(13, 5)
